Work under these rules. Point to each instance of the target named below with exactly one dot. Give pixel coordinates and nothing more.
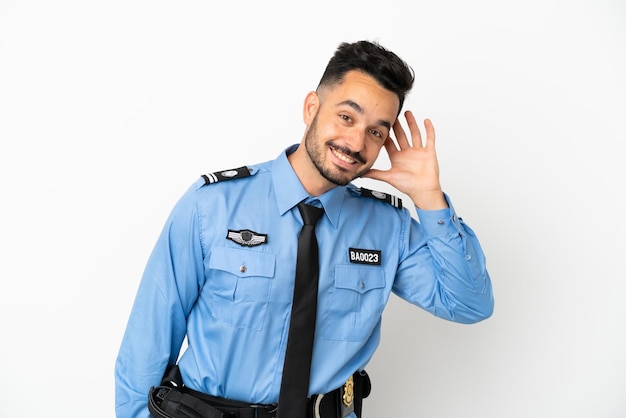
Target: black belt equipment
(174, 400)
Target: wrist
(431, 200)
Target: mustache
(354, 155)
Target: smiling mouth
(344, 155)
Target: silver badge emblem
(229, 173)
(246, 238)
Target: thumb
(376, 174)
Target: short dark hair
(388, 69)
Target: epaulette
(235, 173)
(385, 197)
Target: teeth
(342, 157)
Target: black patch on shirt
(234, 173)
(361, 256)
(385, 197)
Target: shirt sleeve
(157, 324)
(443, 268)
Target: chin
(338, 178)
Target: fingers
(416, 135)
(415, 130)
(430, 134)
(400, 134)
(390, 146)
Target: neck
(312, 181)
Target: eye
(345, 118)
(376, 133)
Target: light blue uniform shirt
(233, 301)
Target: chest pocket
(355, 303)
(238, 286)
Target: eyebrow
(354, 105)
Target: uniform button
(454, 218)
(440, 221)
(468, 257)
(243, 269)
(362, 285)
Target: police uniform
(222, 274)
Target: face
(349, 126)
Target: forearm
(444, 270)
(429, 200)
(157, 324)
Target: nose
(355, 139)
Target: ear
(311, 106)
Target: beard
(316, 151)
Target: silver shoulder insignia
(235, 173)
(385, 197)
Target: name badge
(361, 256)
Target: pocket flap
(359, 279)
(242, 263)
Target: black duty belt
(173, 400)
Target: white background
(110, 109)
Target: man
(222, 272)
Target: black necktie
(297, 368)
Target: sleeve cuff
(440, 222)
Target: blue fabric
(233, 302)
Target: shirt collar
(289, 191)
